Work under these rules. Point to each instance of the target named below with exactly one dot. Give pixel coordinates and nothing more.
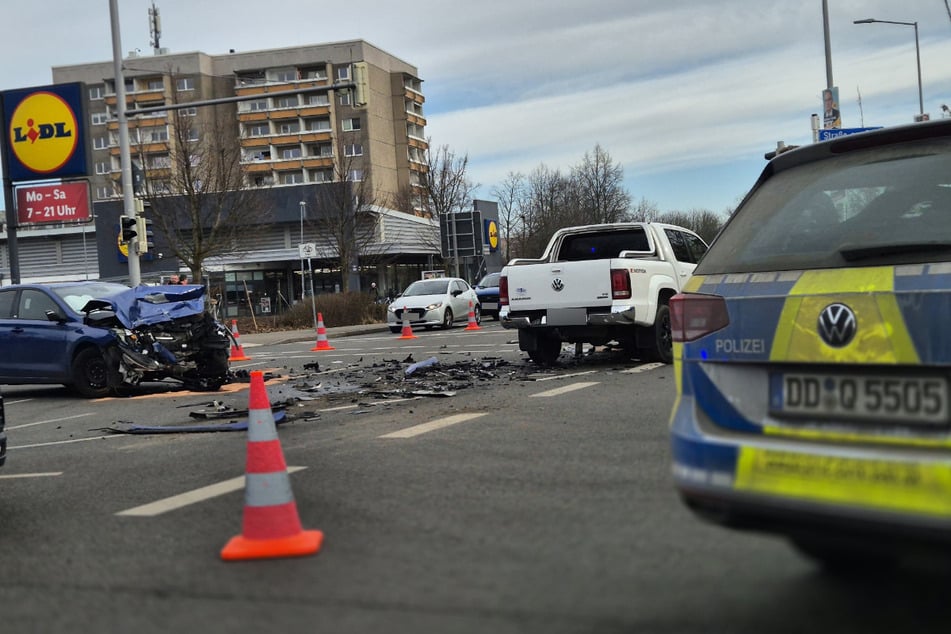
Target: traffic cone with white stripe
(473, 324)
(271, 526)
(322, 343)
(237, 352)
(407, 332)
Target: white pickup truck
(599, 283)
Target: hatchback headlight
(434, 306)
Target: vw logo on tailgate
(837, 325)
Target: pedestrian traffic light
(143, 228)
(361, 79)
(128, 229)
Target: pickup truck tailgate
(579, 284)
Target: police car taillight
(693, 315)
(503, 291)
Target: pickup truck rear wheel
(662, 348)
(546, 352)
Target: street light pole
(921, 99)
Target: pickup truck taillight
(693, 315)
(503, 291)
(620, 284)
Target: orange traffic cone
(473, 324)
(271, 526)
(237, 352)
(322, 343)
(407, 332)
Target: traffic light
(143, 227)
(361, 79)
(128, 229)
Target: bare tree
(510, 195)
(448, 186)
(344, 217)
(703, 222)
(599, 186)
(198, 192)
(645, 211)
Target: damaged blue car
(100, 337)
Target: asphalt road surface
(477, 494)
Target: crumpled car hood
(146, 305)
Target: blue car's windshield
(78, 295)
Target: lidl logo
(492, 234)
(43, 132)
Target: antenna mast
(155, 28)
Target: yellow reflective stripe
(833, 281)
(882, 337)
(851, 437)
(693, 284)
(908, 487)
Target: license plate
(489, 306)
(873, 398)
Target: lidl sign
(44, 132)
(491, 237)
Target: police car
(813, 352)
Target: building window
(154, 135)
(286, 102)
(344, 97)
(355, 176)
(353, 149)
(158, 161)
(99, 118)
(318, 125)
(414, 130)
(102, 167)
(100, 142)
(155, 83)
(323, 150)
(320, 99)
(191, 134)
(289, 127)
(284, 74)
(316, 73)
(258, 129)
(189, 112)
(290, 152)
(343, 73)
(96, 92)
(104, 192)
(185, 83)
(322, 176)
(256, 106)
(292, 178)
(349, 125)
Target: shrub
(337, 309)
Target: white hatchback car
(434, 302)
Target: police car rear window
(877, 206)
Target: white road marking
(341, 408)
(190, 497)
(565, 376)
(643, 368)
(10, 476)
(22, 400)
(65, 442)
(416, 430)
(565, 389)
(51, 420)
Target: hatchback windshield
(427, 287)
(78, 295)
(887, 205)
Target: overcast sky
(686, 95)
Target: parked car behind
(97, 337)
(811, 354)
(487, 290)
(435, 302)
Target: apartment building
(295, 132)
